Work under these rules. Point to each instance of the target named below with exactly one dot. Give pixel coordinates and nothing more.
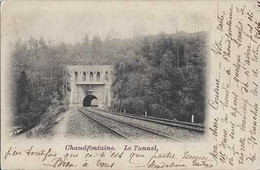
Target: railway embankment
(48, 120)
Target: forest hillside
(163, 75)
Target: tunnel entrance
(87, 101)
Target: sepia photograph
(129, 84)
(119, 73)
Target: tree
(42, 43)
(145, 48)
(22, 97)
(96, 45)
(19, 55)
(23, 89)
(86, 40)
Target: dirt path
(60, 129)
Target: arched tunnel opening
(90, 101)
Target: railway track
(134, 126)
(105, 126)
(184, 125)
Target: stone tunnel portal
(89, 100)
(95, 80)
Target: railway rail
(84, 110)
(179, 124)
(105, 126)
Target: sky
(67, 21)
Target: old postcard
(130, 85)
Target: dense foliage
(37, 76)
(165, 78)
(161, 74)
